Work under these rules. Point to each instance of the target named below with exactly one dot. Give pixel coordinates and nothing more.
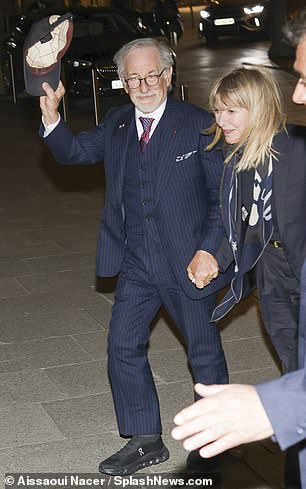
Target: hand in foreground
(49, 103)
(227, 416)
(202, 269)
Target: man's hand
(49, 103)
(227, 416)
(202, 269)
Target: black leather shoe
(138, 453)
(199, 464)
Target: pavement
(56, 406)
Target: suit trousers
(144, 285)
(279, 292)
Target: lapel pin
(121, 126)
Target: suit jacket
(288, 211)
(186, 211)
(284, 399)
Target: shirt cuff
(49, 129)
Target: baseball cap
(44, 47)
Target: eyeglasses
(151, 80)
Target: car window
(232, 3)
(110, 25)
(122, 24)
(98, 25)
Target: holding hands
(202, 269)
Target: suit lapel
(171, 133)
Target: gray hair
(295, 28)
(163, 50)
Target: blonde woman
(263, 201)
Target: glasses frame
(144, 79)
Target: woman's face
(233, 121)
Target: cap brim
(33, 81)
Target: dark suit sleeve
(212, 162)
(86, 148)
(284, 401)
(224, 255)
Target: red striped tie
(146, 124)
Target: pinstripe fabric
(186, 192)
(161, 206)
(145, 284)
(138, 190)
(140, 292)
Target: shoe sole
(145, 461)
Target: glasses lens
(133, 82)
(152, 80)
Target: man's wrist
(49, 127)
(48, 122)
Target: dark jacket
(284, 399)
(186, 211)
(288, 211)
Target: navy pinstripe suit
(161, 207)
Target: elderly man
(228, 416)
(160, 226)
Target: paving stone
(252, 352)
(26, 424)
(41, 354)
(77, 455)
(73, 261)
(94, 343)
(27, 386)
(28, 251)
(101, 311)
(36, 326)
(52, 234)
(9, 287)
(83, 416)
(65, 281)
(255, 376)
(80, 379)
(13, 268)
(48, 302)
(170, 365)
(244, 321)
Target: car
(233, 17)
(98, 33)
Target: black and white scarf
(248, 233)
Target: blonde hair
(256, 91)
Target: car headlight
(257, 9)
(204, 14)
(11, 43)
(141, 25)
(79, 63)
